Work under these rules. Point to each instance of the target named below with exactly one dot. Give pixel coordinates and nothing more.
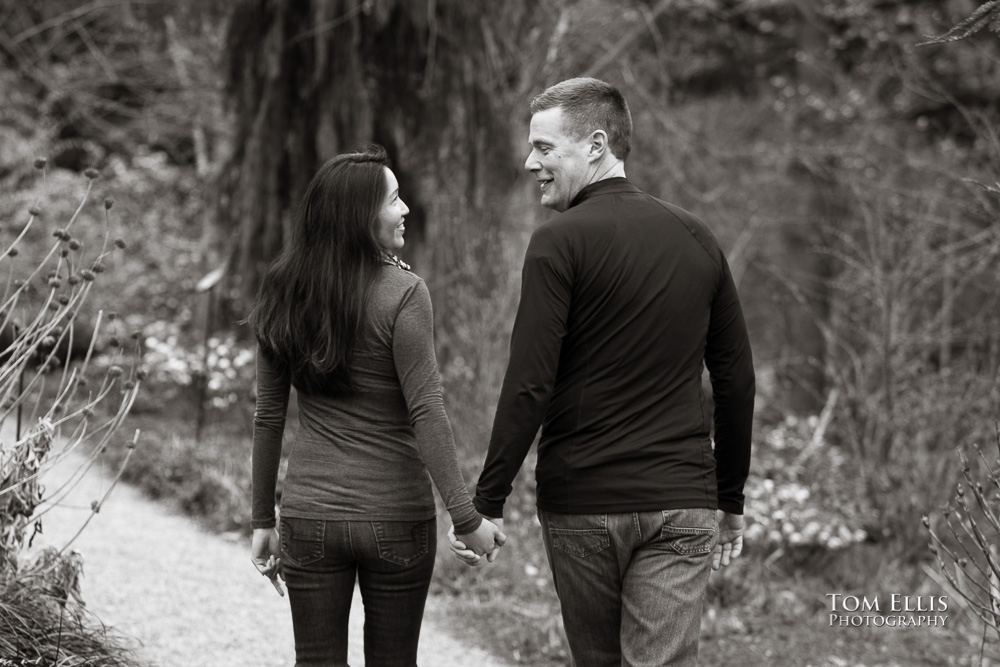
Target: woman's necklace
(392, 259)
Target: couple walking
(624, 299)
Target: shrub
(802, 493)
(964, 540)
(82, 404)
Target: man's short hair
(589, 105)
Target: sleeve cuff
(731, 506)
(488, 509)
(469, 525)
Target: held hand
(265, 549)
(467, 556)
(501, 539)
(730, 543)
(486, 540)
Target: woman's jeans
(631, 585)
(392, 562)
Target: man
(623, 299)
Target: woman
(343, 321)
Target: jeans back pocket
(578, 534)
(401, 542)
(690, 532)
(302, 540)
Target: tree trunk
(433, 81)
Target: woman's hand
(265, 549)
(486, 540)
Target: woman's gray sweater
(366, 456)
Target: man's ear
(598, 145)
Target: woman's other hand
(265, 549)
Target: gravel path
(192, 598)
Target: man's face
(557, 160)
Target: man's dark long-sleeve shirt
(624, 300)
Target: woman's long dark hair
(311, 305)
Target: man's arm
(535, 345)
(730, 366)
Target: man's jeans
(392, 562)
(631, 585)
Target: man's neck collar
(605, 171)
(605, 185)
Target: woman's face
(390, 218)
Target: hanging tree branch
(987, 16)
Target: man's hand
(730, 543)
(465, 547)
(265, 549)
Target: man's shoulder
(695, 226)
(683, 215)
(569, 225)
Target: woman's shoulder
(395, 277)
(396, 283)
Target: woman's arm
(416, 366)
(273, 386)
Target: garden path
(190, 598)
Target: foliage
(93, 81)
(986, 16)
(910, 332)
(207, 479)
(803, 494)
(225, 365)
(82, 405)
(964, 539)
(40, 628)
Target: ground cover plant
(65, 387)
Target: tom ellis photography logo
(898, 611)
